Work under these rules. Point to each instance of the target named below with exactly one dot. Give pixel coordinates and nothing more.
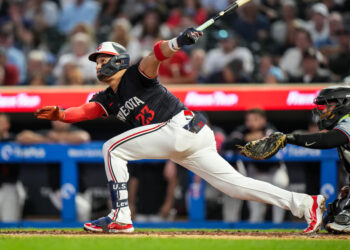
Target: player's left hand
(189, 37)
(52, 113)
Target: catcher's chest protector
(344, 150)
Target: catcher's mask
(340, 95)
(120, 58)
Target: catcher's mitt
(264, 148)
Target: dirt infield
(217, 234)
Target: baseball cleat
(106, 225)
(313, 214)
(120, 228)
(337, 228)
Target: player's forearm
(85, 112)
(166, 51)
(149, 65)
(331, 139)
(163, 50)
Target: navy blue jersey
(139, 100)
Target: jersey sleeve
(102, 99)
(134, 71)
(344, 126)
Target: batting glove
(189, 37)
(52, 113)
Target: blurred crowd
(46, 42)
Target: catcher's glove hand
(264, 148)
(52, 113)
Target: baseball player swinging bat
(162, 127)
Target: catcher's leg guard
(337, 219)
(341, 222)
(332, 210)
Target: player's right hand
(189, 37)
(52, 113)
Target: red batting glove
(52, 113)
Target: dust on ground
(216, 234)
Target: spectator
(151, 193)
(60, 133)
(269, 9)
(22, 29)
(336, 5)
(251, 25)
(136, 9)
(197, 64)
(14, 55)
(268, 72)
(190, 8)
(331, 45)
(71, 75)
(215, 5)
(311, 69)
(150, 29)
(232, 73)
(42, 13)
(283, 31)
(11, 200)
(110, 9)
(39, 26)
(79, 11)
(121, 33)
(228, 50)
(80, 46)
(38, 73)
(336, 23)
(291, 60)
(339, 62)
(257, 127)
(318, 26)
(9, 74)
(79, 28)
(177, 69)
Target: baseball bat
(230, 8)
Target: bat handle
(205, 25)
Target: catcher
(333, 108)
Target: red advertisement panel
(206, 98)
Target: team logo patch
(99, 47)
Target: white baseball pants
(197, 153)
